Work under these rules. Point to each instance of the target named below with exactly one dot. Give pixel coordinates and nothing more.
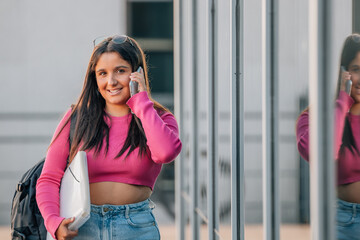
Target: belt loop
(152, 205)
(354, 210)
(127, 211)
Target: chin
(357, 99)
(119, 103)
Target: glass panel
(253, 122)
(151, 19)
(294, 193)
(356, 16)
(224, 119)
(203, 101)
(186, 175)
(346, 48)
(203, 156)
(161, 71)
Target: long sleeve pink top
(348, 162)
(163, 146)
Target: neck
(355, 109)
(117, 110)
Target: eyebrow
(354, 65)
(117, 67)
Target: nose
(112, 80)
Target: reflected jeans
(132, 221)
(348, 220)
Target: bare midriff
(349, 192)
(115, 193)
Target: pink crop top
(348, 163)
(163, 146)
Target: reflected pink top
(163, 146)
(348, 162)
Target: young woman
(347, 140)
(126, 138)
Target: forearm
(48, 184)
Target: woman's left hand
(139, 78)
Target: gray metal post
(213, 213)
(194, 194)
(179, 113)
(270, 122)
(322, 174)
(237, 121)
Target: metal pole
(179, 113)
(212, 123)
(322, 180)
(270, 121)
(237, 121)
(194, 134)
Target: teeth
(114, 91)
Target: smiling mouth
(114, 91)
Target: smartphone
(348, 83)
(134, 86)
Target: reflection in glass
(346, 139)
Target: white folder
(75, 193)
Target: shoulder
(65, 121)
(66, 116)
(304, 115)
(302, 122)
(68, 112)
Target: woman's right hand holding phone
(346, 82)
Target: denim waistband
(116, 209)
(348, 205)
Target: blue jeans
(348, 220)
(113, 222)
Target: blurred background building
(45, 48)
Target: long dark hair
(350, 50)
(91, 127)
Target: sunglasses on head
(117, 39)
(355, 38)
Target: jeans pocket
(344, 217)
(141, 219)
